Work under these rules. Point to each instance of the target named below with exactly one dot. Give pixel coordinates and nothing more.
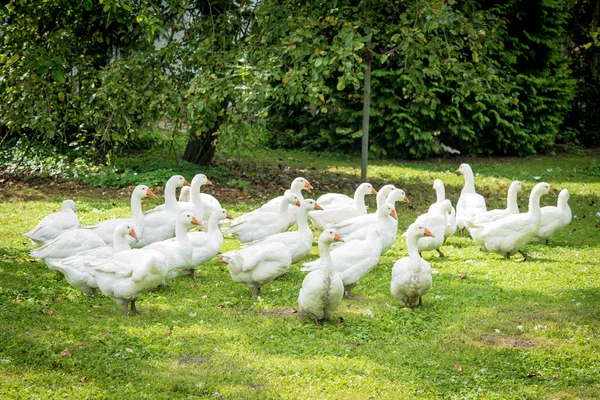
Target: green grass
(514, 330)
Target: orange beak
(186, 183)
(406, 200)
(298, 203)
(551, 192)
(149, 193)
(459, 171)
(428, 233)
(133, 234)
(373, 191)
(393, 214)
(208, 182)
(195, 221)
(307, 186)
(228, 216)
(338, 238)
(318, 207)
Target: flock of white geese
(124, 257)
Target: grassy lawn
(490, 328)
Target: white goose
(209, 202)
(178, 251)
(493, 215)
(297, 186)
(298, 243)
(351, 225)
(470, 203)
(54, 224)
(385, 218)
(73, 267)
(354, 261)
(554, 218)
(196, 205)
(207, 245)
(106, 229)
(507, 235)
(436, 219)
(382, 195)
(338, 209)
(322, 289)
(127, 274)
(411, 276)
(257, 265)
(336, 200)
(160, 221)
(263, 224)
(67, 244)
(440, 192)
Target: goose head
(419, 231)
(67, 205)
(188, 219)
(291, 198)
(301, 184)
(387, 209)
(397, 195)
(563, 197)
(142, 191)
(200, 180)
(329, 236)
(366, 188)
(125, 229)
(310, 204)
(438, 184)
(177, 181)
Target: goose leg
(126, 307)
(420, 301)
(507, 255)
(133, 309)
(525, 255)
(255, 290)
(348, 290)
(440, 253)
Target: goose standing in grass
(436, 219)
(354, 261)
(298, 243)
(257, 265)
(159, 223)
(178, 251)
(411, 276)
(470, 203)
(338, 208)
(127, 274)
(207, 245)
(322, 289)
(349, 228)
(494, 215)
(297, 186)
(196, 205)
(73, 267)
(385, 218)
(54, 224)
(554, 218)
(262, 224)
(507, 235)
(106, 229)
(440, 192)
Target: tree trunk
(200, 150)
(365, 124)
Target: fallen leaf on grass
(83, 379)
(463, 276)
(93, 306)
(65, 352)
(54, 364)
(457, 367)
(43, 303)
(294, 311)
(339, 320)
(406, 309)
(557, 376)
(50, 313)
(533, 374)
(127, 349)
(573, 229)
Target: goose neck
(196, 200)
(469, 181)
(440, 192)
(413, 250)
(302, 219)
(359, 200)
(181, 232)
(120, 243)
(137, 215)
(170, 198)
(511, 201)
(325, 253)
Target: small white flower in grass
(549, 169)
(598, 214)
(437, 297)
(520, 327)
(497, 331)
(537, 178)
(193, 314)
(4, 360)
(468, 261)
(435, 271)
(539, 327)
(368, 313)
(578, 304)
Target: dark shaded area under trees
(503, 77)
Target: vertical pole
(365, 124)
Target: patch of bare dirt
(193, 360)
(281, 313)
(509, 342)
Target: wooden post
(365, 124)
